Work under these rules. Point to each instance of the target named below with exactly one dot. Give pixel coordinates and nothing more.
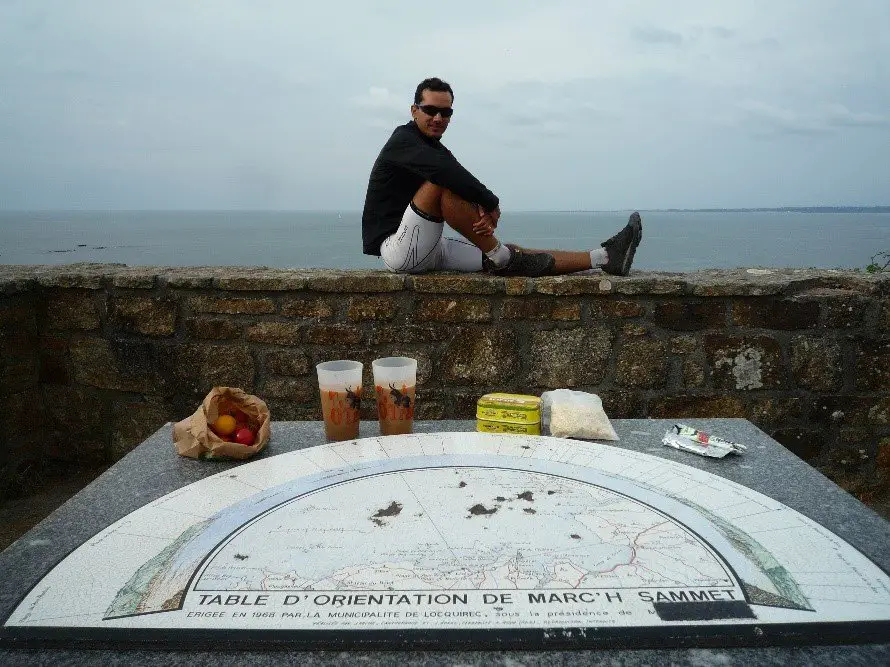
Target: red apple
(245, 436)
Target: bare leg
(461, 216)
(567, 261)
(458, 213)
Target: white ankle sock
(499, 255)
(599, 257)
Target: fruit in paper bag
(244, 436)
(224, 425)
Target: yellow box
(510, 408)
(485, 426)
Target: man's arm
(439, 167)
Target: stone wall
(96, 357)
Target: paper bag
(194, 438)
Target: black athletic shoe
(521, 263)
(623, 246)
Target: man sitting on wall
(417, 185)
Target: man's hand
(487, 222)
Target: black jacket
(406, 161)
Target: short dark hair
(435, 84)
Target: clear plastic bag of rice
(575, 414)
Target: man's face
(434, 124)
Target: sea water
(672, 240)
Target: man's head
(431, 110)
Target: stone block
(276, 333)
(79, 421)
(72, 277)
(641, 362)
(854, 451)
(879, 413)
(804, 443)
(19, 370)
(144, 315)
(839, 410)
(816, 363)
(334, 335)
(784, 314)
(13, 285)
(537, 308)
(452, 310)
(190, 277)
(610, 309)
(372, 308)
(23, 429)
(776, 412)
(135, 278)
(882, 460)
(212, 328)
(410, 333)
(634, 330)
(133, 421)
(429, 409)
(438, 283)
(17, 316)
(872, 364)
(316, 309)
(571, 285)
(366, 282)
(260, 280)
(744, 362)
(679, 315)
(297, 390)
(287, 362)
(694, 375)
(678, 407)
(841, 309)
(231, 306)
(518, 286)
(284, 410)
(73, 310)
(462, 404)
(568, 357)
(482, 357)
(53, 360)
(683, 345)
(115, 364)
(198, 367)
(622, 404)
(639, 284)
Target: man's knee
(428, 198)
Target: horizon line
(705, 209)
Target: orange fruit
(224, 425)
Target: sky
(559, 105)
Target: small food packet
(692, 440)
(575, 414)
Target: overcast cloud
(558, 105)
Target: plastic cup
(394, 382)
(340, 387)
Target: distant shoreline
(783, 209)
(780, 209)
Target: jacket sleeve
(439, 167)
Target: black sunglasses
(431, 110)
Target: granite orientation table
(727, 601)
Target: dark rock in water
(81, 245)
(99, 247)
(68, 250)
